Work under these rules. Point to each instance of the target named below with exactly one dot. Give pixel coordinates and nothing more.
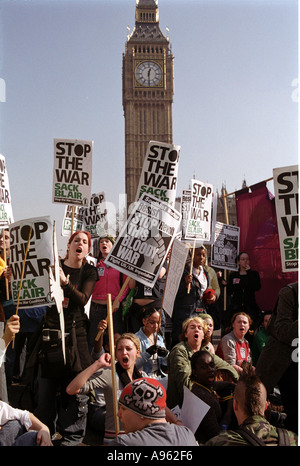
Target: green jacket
(179, 372)
(259, 342)
(259, 426)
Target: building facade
(147, 94)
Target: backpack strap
(283, 437)
(253, 440)
(250, 437)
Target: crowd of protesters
(249, 380)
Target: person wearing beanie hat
(143, 415)
(109, 237)
(110, 282)
(145, 396)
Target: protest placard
(225, 247)
(193, 410)
(56, 291)
(175, 270)
(185, 208)
(95, 216)
(198, 226)
(145, 239)
(76, 213)
(72, 175)
(286, 203)
(34, 286)
(159, 173)
(6, 214)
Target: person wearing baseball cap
(142, 413)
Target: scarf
(123, 375)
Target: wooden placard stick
(4, 258)
(224, 195)
(113, 365)
(225, 271)
(72, 219)
(162, 301)
(191, 268)
(22, 274)
(116, 301)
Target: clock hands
(149, 72)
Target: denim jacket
(145, 361)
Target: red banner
(256, 217)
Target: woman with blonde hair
(99, 375)
(210, 329)
(193, 338)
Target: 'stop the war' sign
(72, 176)
(198, 224)
(6, 215)
(286, 184)
(30, 273)
(159, 174)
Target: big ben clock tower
(148, 90)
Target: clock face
(148, 73)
